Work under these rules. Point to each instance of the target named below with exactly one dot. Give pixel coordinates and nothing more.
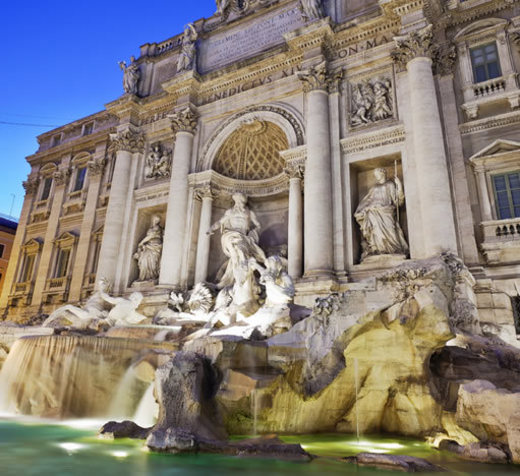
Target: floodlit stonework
(293, 104)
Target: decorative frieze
(371, 101)
(380, 138)
(128, 140)
(158, 162)
(184, 120)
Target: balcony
(493, 91)
(501, 241)
(21, 294)
(56, 290)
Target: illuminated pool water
(36, 448)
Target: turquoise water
(43, 448)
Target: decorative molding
(202, 191)
(501, 120)
(315, 78)
(158, 162)
(295, 171)
(444, 59)
(184, 121)
(372, 140)
(128, 140)
(415, 44)
(371, 101)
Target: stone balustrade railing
(487, 88)
(57, 283)
(501, 230)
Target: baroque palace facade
(294, 104)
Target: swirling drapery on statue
(377, 218)
(149, 249)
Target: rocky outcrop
(185, 388)
(481, 452)
(408, 464)
(125, 429)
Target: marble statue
(131, 76)
(377, 215)
(149, 249)
(90, 314)
(311, 9)
(158, 163)
(239, 238)
(371, 101)
(188, 52)
(279, 286)
(124, 311)
(222, 6)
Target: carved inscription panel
(247, 39)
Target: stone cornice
(373, 139)
(458, 12)
(500, 120)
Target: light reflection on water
(32, 447)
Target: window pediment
(499, 151)
(32, 246)
(66, 239)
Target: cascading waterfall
(69, 376)
(147, 410)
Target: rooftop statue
(311, 9)
(186, 61)
(131, 76)
(377, 216)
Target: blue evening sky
(59, 63)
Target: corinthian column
(127, 142)
(295, 235)
(318, 233)
(184, 124)
(203, 242)
(415, 52)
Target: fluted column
(127, 143)
(206, 195)
(184, 124)
(415, 51)
(318, 232)
(95, 172)
(295, 231)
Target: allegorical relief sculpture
(149, 249)
(158, 163)
(371, 101)
(377, 216)
(187, 56)
(131, 76)
(311, 9)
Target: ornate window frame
(59, 285)
(501, 89)
(24, 284)
(500, 238)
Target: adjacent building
(8, 227)
(294, 104)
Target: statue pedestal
(380, 262)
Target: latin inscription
(226, 48)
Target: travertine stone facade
(294, 107)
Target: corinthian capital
(415, 44)
(315, 78)
(96, 166)
(295, 171)
(61, 176)
(128, 140)
(31, 185)
(184, 120)
(205, 191)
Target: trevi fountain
(228, 347)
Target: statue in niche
(131, 76)
(377, 216)
(188, 52)
(158, 163)
(371, 101)
(149, 249)
(311, 9)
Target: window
(507, 195)
(63, 263)
(28, 268)
(88, 128)
(2, 248)
(56, 140)
(484, 60)
(80, 179)
(46, 188)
